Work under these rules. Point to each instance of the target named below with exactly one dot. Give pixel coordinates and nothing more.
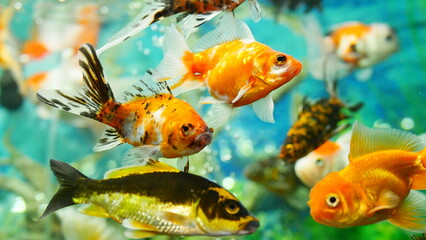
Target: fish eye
(332, 200)
(389, 37)
(232, 207)
(280, 60)
(319, 162)
(187, 129)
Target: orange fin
(387, 200)
(367, 140)
(411, 214)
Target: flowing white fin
(188, 22)
(264, 109)
(367, 140)
(110, 138)
(146, 88)
(229, 29)
(138, 155)
(255, 11)
(152, 9)
(411, 214)
(174, 47)
(96, 91)
(220, 112)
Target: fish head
(336, 202)
(185, 132)
(220, 213)
(378, 44)
(275, 68)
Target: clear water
(31, 135)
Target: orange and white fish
(152, 119)
(361, 45)
(329, 157)
(236, 69)
(56, 39)
(384, 166)
(193, 13)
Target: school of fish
(373, 178)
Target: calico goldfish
(328, 157)
(236, 69)
(361, 45)
(384, 166)
(152, 119)
(193, 14)
(316, 123)
(153, 199)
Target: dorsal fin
(367, 140)
(148, 166)
(229, 29)
(147, 87)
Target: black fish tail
(96, 92)
(67, 177)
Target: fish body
(385, 165)
(315, 124)
(151, 119)
(193, 14)
(328, 157)
(273, 174)
(361, 45)
(236, 69)
(154, 199)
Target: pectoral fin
(138, 234)
(411, 214)
(387, 200)
(264, 109)
(94, 210)
(243, 91)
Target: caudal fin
(67, 177)
(153, 11)
(91, 99)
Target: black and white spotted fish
(152, 119)
(193, 14)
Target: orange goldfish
(384, 166)
(152, 119)
(193, 14)
(236, 69)
(362, 45)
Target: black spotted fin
(95, 97)
(145, 166)
(153, 11)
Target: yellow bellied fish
(153, 199)
(384, 166)
(152, 119)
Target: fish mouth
(202, 140)
(250, 227)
